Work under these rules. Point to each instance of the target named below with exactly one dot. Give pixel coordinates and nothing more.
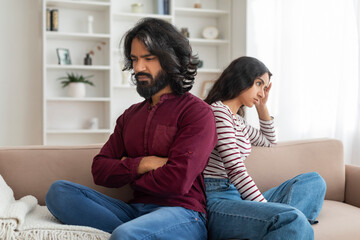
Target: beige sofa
(31, 170)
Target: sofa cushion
(31, 170)
(338, 221)
(269, 167)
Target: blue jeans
(75, 204)
(291, 209)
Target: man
(159, 146)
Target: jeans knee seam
(291, 188)
(87, 191)
(168, 229)
(239, 216)
(286, 194)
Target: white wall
(238, 29)
(20, 72)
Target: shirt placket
(147, 128)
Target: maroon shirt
(181, 128)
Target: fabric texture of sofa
(31, 170)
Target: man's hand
(151, 163)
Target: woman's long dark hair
(237, 77)
(172, 49)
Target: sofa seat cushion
(338, 220)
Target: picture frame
(206, 87)
(63, 55)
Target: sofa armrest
(352, 180)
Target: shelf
(78, 67)
(76, 36)
(82, 5)
(200, 12)
(70, 99)
(124, 86)
(208, 41)
(72, 131)
(137, 16)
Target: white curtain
(312, 49)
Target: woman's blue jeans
(75, 204)
(291, 209)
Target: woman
(236, 207)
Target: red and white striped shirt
(235, 138)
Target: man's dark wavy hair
(173, 50)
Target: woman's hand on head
(263, 100)
(261, 105)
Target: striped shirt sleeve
(263, 137)
(232, 153)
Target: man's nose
(139, 66)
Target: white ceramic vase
(77, 90)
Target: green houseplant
(76, 84)
(75, 78)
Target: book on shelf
(52, 20)
(167, 7)
(162, 7)
(48, 25)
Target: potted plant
(76, 84)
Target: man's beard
(148, 89)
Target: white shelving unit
(65, 119)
